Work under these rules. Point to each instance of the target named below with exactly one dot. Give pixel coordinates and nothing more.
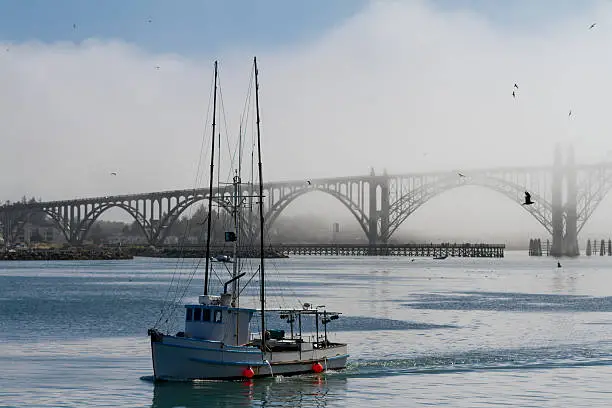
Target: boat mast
(237, 202)
(262, 294)
(210, 186)
(235, 214)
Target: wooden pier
(284, 250)
(413, 250)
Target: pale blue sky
(204, 26)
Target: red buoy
(248, 372)
(317, 367)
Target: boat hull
(185, 359)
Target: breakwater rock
(74, 254)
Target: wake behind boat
(217, 341)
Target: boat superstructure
(217, 342)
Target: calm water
(460, 332)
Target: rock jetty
(73, 254)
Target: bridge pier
(384, 209)
(570, 240)
(378, 222)
(373, 211)
(557, 204)
(564, 238)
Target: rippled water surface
(516, 331)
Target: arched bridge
(380, 203)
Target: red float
(317, 367)
(248, 372)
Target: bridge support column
(373, 210)
(557, 205)
(570, 240)
(378, 209)
(384, 209)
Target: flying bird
(570, 113)
(74, 26)
(558, 264)
(461, 175)
(157, 67)
(516, 86)
(592, 25)
(113, 173)
(149, 21)
(309, 183)
(513, 94)
(527, 199)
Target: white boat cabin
(214, 319)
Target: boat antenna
(210, 186)
(261, 216)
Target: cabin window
(197, 313)
(189, 314)
(206, 315)
(217, 316)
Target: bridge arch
(59, 221)
(409, 203)
(591, 195)
(90, 218)
(277, 208)
(24, 216)
(175, 212)
(153, 233)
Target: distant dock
(412, 250)
(285, 250)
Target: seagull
(527, 199)
(461, 175)
(516, 86)
(157, 67)
(309, 183)
(592, 25)
(513, 94)
(113, 173)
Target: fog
(400, 86)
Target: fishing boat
(217, 341)
(222, 258)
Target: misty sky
(345, 85)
